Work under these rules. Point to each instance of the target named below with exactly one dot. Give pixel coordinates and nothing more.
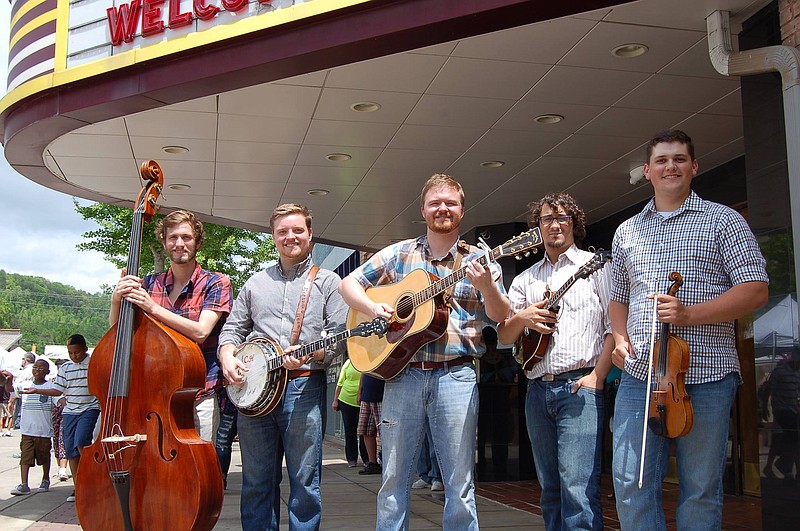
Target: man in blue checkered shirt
(438, 389)
(724, 278)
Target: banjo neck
(307, 348)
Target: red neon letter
(151, 18)
(203, 11)
(123, 22)
(234, 5)
(176, 18)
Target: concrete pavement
(348, 499)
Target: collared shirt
(206, 290)
(467, 315)
(267, 305)
(72, 380)
(37, 412)
(714, 249)
(583, 320)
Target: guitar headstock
(601, 257)
(530, 239)
(377, 326)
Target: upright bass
(148, 469)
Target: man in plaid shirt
(438, 388)
(724, 277)
(188, 299)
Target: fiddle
(148, 469)
(670, 412)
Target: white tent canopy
(778, 327)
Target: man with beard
(267, 306)
(186, 298)
(564, 408)
(438, 388)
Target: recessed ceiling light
(548, 118)
(418, 221)
(492, 163)
(395, 240)
(365, 106)
(179, 186)
(337, 157)
(318, 191)
(632, 49)
(174, 150)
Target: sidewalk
(348, 499)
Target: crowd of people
(426, 416)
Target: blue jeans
(701, 456)
(293, 427)
(226, 432)
(447, 401)
(427, 465)
(566, 433)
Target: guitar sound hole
(404, 308)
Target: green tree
(236, 252)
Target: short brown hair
(287, 209)
(568, 203)
(176, 218)
(441, 180)
(669, 136)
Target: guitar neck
(444, 283)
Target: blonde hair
(440, 180)
(287, 209)
(174, 219)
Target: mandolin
(530, 347)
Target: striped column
(32, 44)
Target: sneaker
(16, 455)
(437, 486)
(44, 486)
(371, 468)
(21, 490)
(71, 497)
(420, 484)
(352, 464)
(62, 474)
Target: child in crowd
(36, 425)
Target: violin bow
(649, 384)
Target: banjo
(266, 378)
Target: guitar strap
(462, 248)
(301, 308)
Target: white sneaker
(437, 486)
(62, 474)
(420, 484)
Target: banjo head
(255, 355)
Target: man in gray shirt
(266, 307)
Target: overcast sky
(39, 227)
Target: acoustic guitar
(420, 315)
(530, 347)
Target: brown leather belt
(430, 365)
(301, 373)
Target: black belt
(430, 365)
(302, 373)
(564, 376)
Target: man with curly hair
(564, 408)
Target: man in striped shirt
(724, 278)
(564, 408)
(82, 408)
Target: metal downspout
(786, 61)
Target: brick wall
(790, 22)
